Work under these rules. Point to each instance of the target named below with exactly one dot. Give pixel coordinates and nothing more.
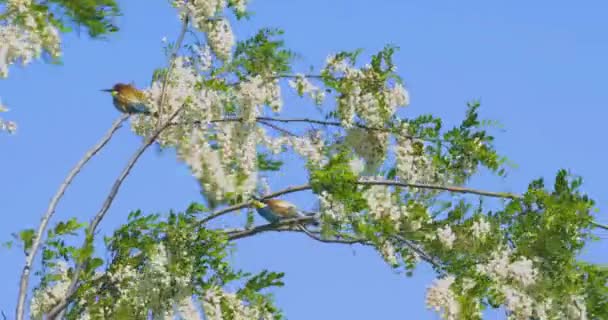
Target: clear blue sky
(538, 67)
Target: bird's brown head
(116, 88)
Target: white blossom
(446, 236)
(240, 5)
(6, 125)
(215, 299)
(330, 207)
(441, 298)
(44, 299)
(356, 165)
(188, 310)
(372, 146)
(220, 38)
(25, 35)
(519, 304)
(388, 253)
(304, 86)
(480, 228)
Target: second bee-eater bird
(274, 210)
(128, 99)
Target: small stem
(178, 44)
(25, 273)
(73, 287)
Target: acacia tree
(380, 179)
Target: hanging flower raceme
(25, 34)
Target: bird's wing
(139, 108)
(283, 207)
(267, 214)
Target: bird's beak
(107, 90)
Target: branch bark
(287, 225)
(104, 209)
(31, 255)
(178, 44)
(370, 182)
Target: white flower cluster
(374, 108)
(188, 309)
(310, 147)
(216, 299)
(24, 34)
(220, 37)
(442, 299)
(446, 236)
(213, 168)
(413, 167)
(204, 16)
(253, 93)
(143, 289)
(203, 60)
(387, 250)
(239, 5)
(480, 228)
(304, 86)
(44, 299)
(371, 145)
(500, 267)
(512, 279)
(331, 208)
(6, 125)
(383, 204)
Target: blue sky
(538, 67)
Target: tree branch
(31, 255)
(246, 204)
(104, 209)
(172, 58)
(285, 131)
(369, 182)
(286, 225)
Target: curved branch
(285, 131)
(246, 204)
(104, 209)
(371, 182)
(25, 273)
(287, 225)
(110, 198)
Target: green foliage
(265, 163)
(27, 237)
(337, 178)
(261, 55)
(192, 252)
(96, 16)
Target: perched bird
(128, 99)
(273, 210)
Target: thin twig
(285, 131)
(23, 285)
(284, 225)
(370, 182)
(341, 241)
(104, 209)
(304, 120)
(172, 58)
(246, 204)
(600, 225)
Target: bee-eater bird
(273, 210)
(128, 99)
